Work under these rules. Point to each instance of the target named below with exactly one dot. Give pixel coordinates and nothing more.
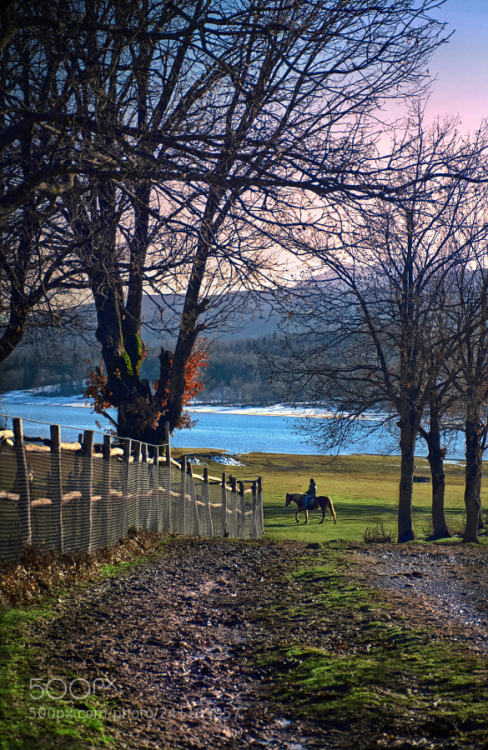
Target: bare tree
(383, 266)
(254, 104)
(181, 130)
(34, 83)
(469, 365)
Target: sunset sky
(461, 65)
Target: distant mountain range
(67, 356)
(246, 317)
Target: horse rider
(311, 494)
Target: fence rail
(82, 496)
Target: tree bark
(472, 493)
(14, 330)
(440, 529)
(408, 433)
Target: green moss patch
(32, 713)
(39, 708)
(363, 670)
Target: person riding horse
(310, 496)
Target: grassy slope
(364, 490)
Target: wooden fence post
(233, 501)
(243, 510)
(125, 488)
(150, 487)
(224, 503)
(168, 524)
(157, 494)
(184, 529)
(206, 500)
(87, 490)
(167, 441)
(22, 482)
(108, 511)
(136, 483)
(260, 508)
(193, 496)
(56, 486)
(254, 519)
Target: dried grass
(41, 572)
(378, 535)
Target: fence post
(233, 501)
(224, 503)
(126, 442)
(242, 535)
(145, 494)
(158, 500)
(206, 500)
(150, 487)
(254, 519)
(22, 482)
(193, 495)
(86, 490)
(184, 529)
(168, 515)
(136, 471)
(167, 440)
(107, 515)
(260, 508)
(56, 486)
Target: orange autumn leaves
(156, 406)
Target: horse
(323, 502)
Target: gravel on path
(172, 643)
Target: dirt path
(171, 644)
(173, 639)
(442, 587)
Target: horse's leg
(296, 517)
(306, 515)
(323, 514)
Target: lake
(272, 429)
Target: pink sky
(461, 65)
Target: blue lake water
(236, 430)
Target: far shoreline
(234, 428)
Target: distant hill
(67, 357)
(246, 317)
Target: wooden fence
(83, 496)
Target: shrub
(378, 535)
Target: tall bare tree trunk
(472, 492)
(408, 434)
(440, 529)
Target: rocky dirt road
(441, 586)
(173, 643)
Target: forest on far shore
(237, 371)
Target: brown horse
(323, 502)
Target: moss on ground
(32, 713)
(36, 709)
(379, 678)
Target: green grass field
(364, 490)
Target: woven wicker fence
(83, 496)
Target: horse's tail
(332, 511)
